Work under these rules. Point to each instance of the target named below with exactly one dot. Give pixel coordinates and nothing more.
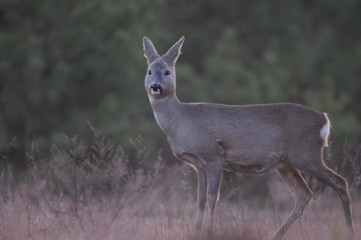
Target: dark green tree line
(63, 62)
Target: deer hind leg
(302, 195)
(339, 184)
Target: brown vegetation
(97, 191)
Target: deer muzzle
(156, 89)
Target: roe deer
(252, 139)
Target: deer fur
(251, 139)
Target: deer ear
(150, 53)
(173, 53)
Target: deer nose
(156, 88)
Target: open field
(23, 219)
(99, 192)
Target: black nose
(156, 88)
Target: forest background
(66, 63)
(81, 156)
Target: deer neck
(167, 113)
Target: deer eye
(149, 72)
(167, 72)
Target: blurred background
(66, 63)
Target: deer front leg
(214, 176)
(201, 199)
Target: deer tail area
(325, 130)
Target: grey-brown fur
(251, 139)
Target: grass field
(98, 192)
(20, 218)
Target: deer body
(251, 139)
(244, 135)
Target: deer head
(160, 80)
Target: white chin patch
(155, 92)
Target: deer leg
(302, 195)
(339, 184)
(201, 199)
(214, 176)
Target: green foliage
(63, 63)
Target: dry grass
(99, 192)
(21, 219)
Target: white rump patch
(325, 131)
